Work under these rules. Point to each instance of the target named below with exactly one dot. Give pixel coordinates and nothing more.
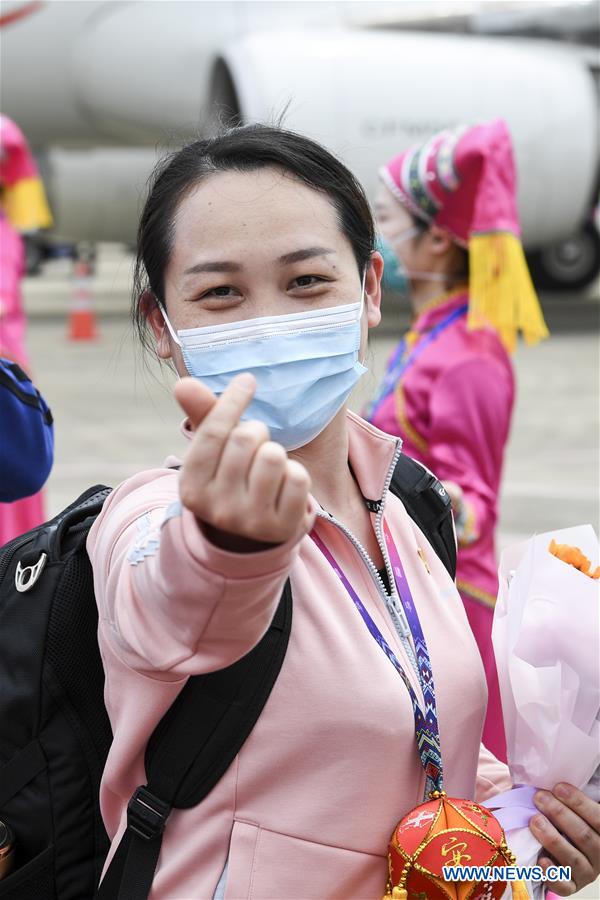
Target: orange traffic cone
(82, 319)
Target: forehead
(386, 203)
(261, 207)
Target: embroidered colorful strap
(426, 723)
(404, 357)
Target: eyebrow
(224, 265)
(227, 265)
(306, 253)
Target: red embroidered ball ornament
(442, 832)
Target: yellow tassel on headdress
(26, 206)
(501, 293)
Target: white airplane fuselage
(101, 88)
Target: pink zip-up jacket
(307, 808)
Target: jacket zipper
(392, 602)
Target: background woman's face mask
(396, 275)
(305, 364)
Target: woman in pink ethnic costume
(449, 228)
(23, 208)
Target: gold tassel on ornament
(397, 893)
(519, 891)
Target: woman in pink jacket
(447, 214)
(257, 276)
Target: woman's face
(398, 228)
(425, 252)
(250, 244)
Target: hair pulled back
(242, 149)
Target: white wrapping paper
(546, 636)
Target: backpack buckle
(26, 576)
(441, 491)
(147, 814)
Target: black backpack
(54, 729)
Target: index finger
(580, 803)
(214, 430)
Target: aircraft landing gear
(572, 264)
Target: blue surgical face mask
(395, 277)
(305, 365)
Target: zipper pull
(400, 614)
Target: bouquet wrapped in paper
(546, 636)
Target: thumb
(195, 399)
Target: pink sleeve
(493, 776)
(470, 413)
(175, 604)
(11, 267)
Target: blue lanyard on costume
(400, 362)
(426, 723)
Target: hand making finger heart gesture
(239, 484)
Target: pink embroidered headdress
(465, 181)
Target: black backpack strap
(428, 504)
(191, 748)
(46, 542)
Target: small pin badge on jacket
(424, 561)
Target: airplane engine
(368, 95)
(97, 194)
(365, 93)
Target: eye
(221, 291)
(304, 281)
(224, 290)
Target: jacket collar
(371, 454)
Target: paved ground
(115, 415)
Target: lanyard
(426, 724)
(400, 361)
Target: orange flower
(574, 557)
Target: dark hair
(241, 149)
(421, 224)
(461, 255)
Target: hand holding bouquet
(546, 636)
